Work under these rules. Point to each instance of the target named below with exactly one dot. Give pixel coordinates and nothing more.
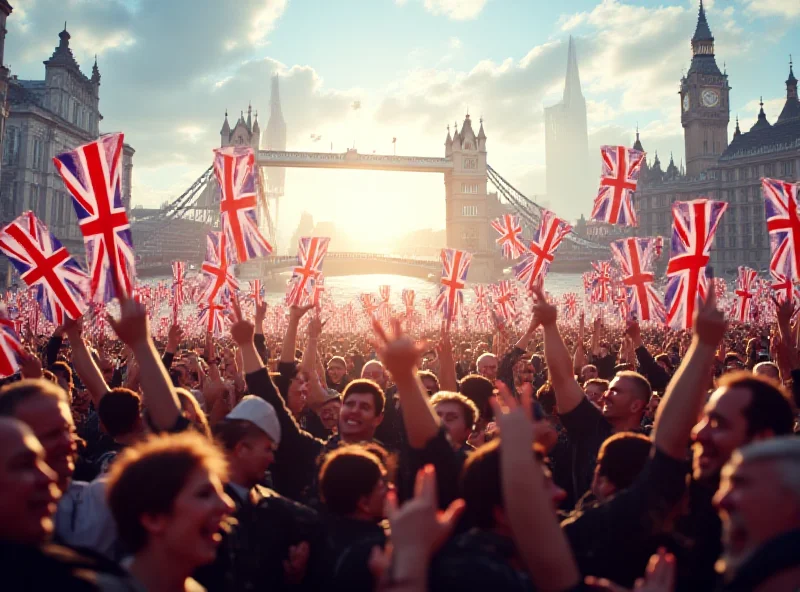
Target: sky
(170, 69)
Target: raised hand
(297, 312)
(174, 337)
(73, 328)
(315, 326)
(544, 313)
(132, 327)
(30, 365)
(659, 576)
(709, 322)
(399, 353)
(243, 332)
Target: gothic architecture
(719, 170)
(570, 183)
(5, 11)
(47, 117)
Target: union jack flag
(10, 346)
(532, 269)
(455, 265)
(219, 283)
(744, 293)
(570, 300)
(256, 293)
(783, 225)
(178, 277)
(212, 318)
(234, 168)
(319, 290)
(693, 226)
(659, 245)
(44, 264)
(481, 298)
(369, 303)
(408, 301)
(310, 256)
(92, 174)
(784, 288)
(384, 308)
(720, 288)
(635, 258)
(614, 201)
(621, 300)
(601, 281)
(510, 235)
(504, 299)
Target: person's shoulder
(271, 498)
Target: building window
(38, 153)
(11, 148)
(787, 168)
(469, 211)
(767, 170)
(468, 146)
(469, 188)
(75, 113)
(470, 163)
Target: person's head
(733, 362)
(249, 434)
(482, 490)
(337, 368)
(166, 495)
(652, 407)
(743, 409)
(429, 381)
(374, 371)
(362, 410)
(665, 363)
(605, 349)
(479, 390)
(330, 410)
(620, 460)
(120, 413)
(588, 372)
(759, 496)
(595, 388)
(627, 396)
(297, 396)
(43, 406)
(106, 366)
(487, 366)
(28, 491)
(193, 412)
(353, 483)
(768, 369)
(63, 375)
(546, 395)
(458, 415)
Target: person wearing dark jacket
(656, 374)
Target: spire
(481, 133)
(275, 98)
(275, 133)
(762, 122)
(448, 140)
(737, 132)
(256, 128)
(702, 32)
(95, 72)
(572, 81)
(703, 47)
(637, 145)
(62, 56)
(249, 117)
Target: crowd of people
(559, 457)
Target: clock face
(686, 102)
(710, 98)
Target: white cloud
(454, 43)
(191, 132)
(265, 18)
(88, 42)
(458, 10)
(772, 8)
(749, 115)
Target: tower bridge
(470, 206)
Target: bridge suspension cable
(186, 201)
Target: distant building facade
(47, 117)
(5, 11)
(719, 170)
(569, 181)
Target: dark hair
(770, 406)
(468, 408)
(347, 475)
(601, 381)
(119, 410)
(146, 479)
(665, 359)
(364, 386)
(641, 388)
(14, 394)
(229, 432)
(64, 369)
(546, 395)
(431, 376)
(479, 390)
(622, 457)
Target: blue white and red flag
(44, 264)
(601, 282)
(92, 173)
(212, 319)
(614, 201)
(784, 288)
(745, 291)
(234, 167)
(370, 304)
(10, 346)
(218, 281)
(693, 226)
(256, 293)
(635, 259)
(310, 257)
(503, 300)
(783, 225)
(533, 268)
(319, 290)
(455, 265)
(570, 300)
(178, 287)
(408, 300)
(510, 235)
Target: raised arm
(159, 397)
(685, 394)
(579, 359)
(568, 392)
(290, 339)
(85, 366)
(174, 338)
(447, 364)
(316, 394)
(658, 377)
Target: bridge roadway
(353, 160)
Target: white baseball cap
(257, 411)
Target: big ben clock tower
(705, 111)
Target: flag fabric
(256, 293)
(234, 168)
(319, 290)
(92, 174)
(720, 288)
(504, 299)
(532, 269)
(481, 298)
(178, 279)
(10, 346)
(601, 281)
(784, 288)
(408, 297)
(620, 298)
(455, 265)
(635, 259)
(659, 246)
(384, 308)
(783, 226)
(745, 286)
(370, 304)
(570, 301)
(44, 264)
(310, 257)
(614, 201)
(219, 283)
(693, 226)
(510, 231)
(212, 319)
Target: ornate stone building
(48, 117)
(717, 169)
(571, 185)
(5, 11)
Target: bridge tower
(467, 200)
(273, 178)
